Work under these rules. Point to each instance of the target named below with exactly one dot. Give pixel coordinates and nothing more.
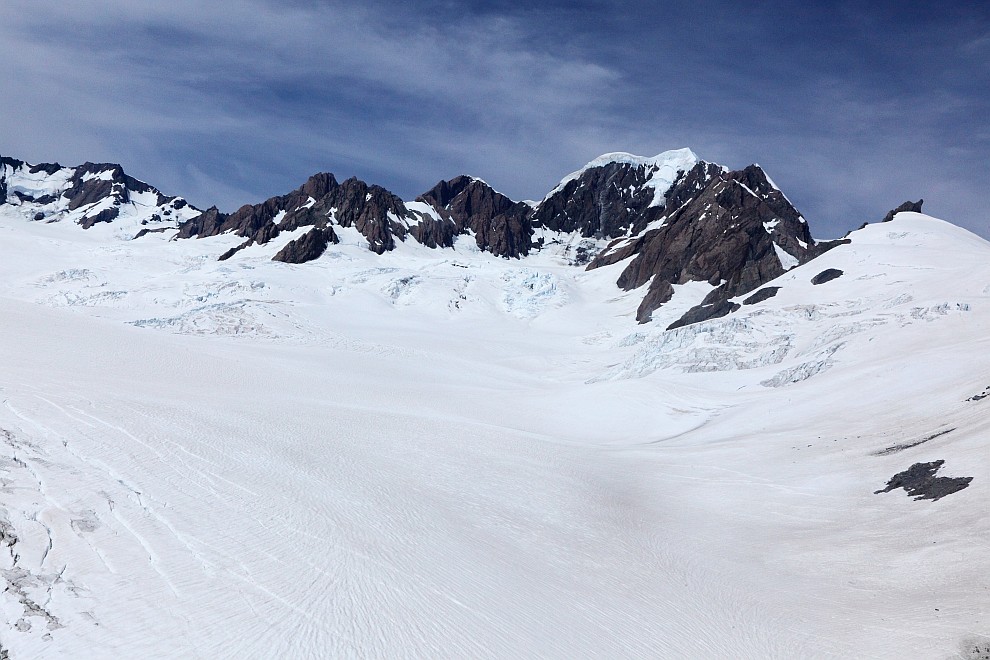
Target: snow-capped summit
(87, 195)
(660, 171)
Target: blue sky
(850, 109)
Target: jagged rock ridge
(469, 205)
(377, 214)
(615, 195)
(671, 219)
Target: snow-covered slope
(444, 453)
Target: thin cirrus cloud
(265, 86)
(851, 110)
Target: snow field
(444, 454)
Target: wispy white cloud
(228, 103)
(980, 44)
(345, 81)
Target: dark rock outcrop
(433, 232)
(826, 275)
(206, 223)
(47, 168)
(721, 227)
(914, 207)
(307, 247)
(375, 212)
(500, 225)
(893, 449)
(234, 250)
(148, 230)
(705, 312)
(4, 164)
(93, 183)
(920, 482)
(106, 215)
(765, 293)
(12, 163)
(821, 247)
(660, 291)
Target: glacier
(448, 454)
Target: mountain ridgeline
(98, 191)
(666, 220)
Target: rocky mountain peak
(500, 225)
(734, 230)
(613, 195)
(318, 185)
(443, 194)
(89, 194)
(660, 170)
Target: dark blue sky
(850, 109)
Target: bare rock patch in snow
(920, 482)
(765, 293)
(705, 312)
(982, 395)
(826, 275)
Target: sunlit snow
(444, 454)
